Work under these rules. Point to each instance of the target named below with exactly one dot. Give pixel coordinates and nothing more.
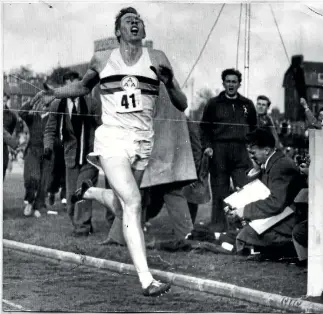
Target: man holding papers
(281, 176)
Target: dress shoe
(78, 234)
(302, 264)
(82, 233)
(109, 241)
(257, 258)
(79, 193)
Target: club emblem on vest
(129, 83)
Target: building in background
(313, 72)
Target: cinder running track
(32, 283)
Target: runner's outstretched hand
(43, 99)
(164, 74)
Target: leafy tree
(276, 114)
(56, 77)
(24, 72)
(202, 97)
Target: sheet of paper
(251, 192)
(261, 225)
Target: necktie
(74, 116)
(77, 127)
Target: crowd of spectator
(234, 143)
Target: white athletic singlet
(128, 93)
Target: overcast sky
(43, 37)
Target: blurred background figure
(9, 124)
(264, 119)
(57, 182)
(37, 168)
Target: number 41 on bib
(128, 101)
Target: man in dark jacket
(264, 119)
(75, 121)
(283, 179)
(36, 167)
(226, 120)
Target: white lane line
(17, 306)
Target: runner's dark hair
(121, 13)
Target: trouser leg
(83, 210)
(5, 159)
(178, 211)
(220, 185)
(71, 184)
(240, 162)
(300, 240)
(193, 208)
(32, 174)
(45, 169)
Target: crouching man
(283, 179)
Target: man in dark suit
(74, 121)
(280, 174)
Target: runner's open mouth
(134, 30)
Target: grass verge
(53, 231)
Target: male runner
(129, 78)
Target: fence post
(315, 215)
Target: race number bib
(128, 101)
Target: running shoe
(156, 289)
(79, 193)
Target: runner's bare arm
(164, 72)
(80, 88)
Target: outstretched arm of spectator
(274, 133)
(312, 122)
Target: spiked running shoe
(79, 193)
(156, 289)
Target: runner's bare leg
(106, 198)
(125, 184)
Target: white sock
(145, 278)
